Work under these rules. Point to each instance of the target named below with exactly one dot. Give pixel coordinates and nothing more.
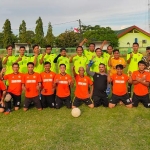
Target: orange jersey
(15, 83)
(140, 89)
(119, 84)
(2, 88)
(82, 84)
(31, 82)
(63, 89)
(47, 83)
(114, 63)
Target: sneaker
(7, 112)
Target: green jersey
(97, 61)
(106, 56)
(50, 58)
(64, 60)
(89, 54)
(133, 66)
(8, 65)
(23, 63)
(38, 67)
(80, 61)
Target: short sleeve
(128, 56)
(90, 82)
(2, 86)
(148, 77)
(126, 78)
(6, 77)
(133, 76)
(39, 78)
(112, 77)
(124, 63)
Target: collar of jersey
(62, 74)
(141, 72)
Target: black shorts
(60, 101)
(124, 98)
(143, 99)
(1, 106)
(16, 100)
(78, 101)
(48, 101)
(35, 100)
(100, 100)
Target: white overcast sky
(114, 13)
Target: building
(17, 46)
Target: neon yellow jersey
(89, 54)
(8, 65)
(39, 67)
(133, 66)
(64, 60)
(23, 63)
(80, 61)
(50, 58)
(97, 61)
(106, 56)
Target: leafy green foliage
(22, 32)
(98, 33)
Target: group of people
(48, 79)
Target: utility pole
(80, 30)
(149, 15)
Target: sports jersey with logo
(82, 84)
(119, 84)
(15, 83)
(2, 88)
(31, 83)
(47, 83)
(63, 89)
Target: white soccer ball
(8, 97)
(76, 112)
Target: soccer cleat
(7, 112)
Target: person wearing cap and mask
(146, 59)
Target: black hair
(15, 64)
(135, 43)
(47, 46)
(115, 50)
(92, 44)
(142, 62)
(62, 65)
(63, 49)
(98, 49)
(148, 48)
(30, 63)
(102, 64)
(47, 62)
(120, 66)
(110, 46)
(9, 46)
(22, 47)
(36, 45)
(79, 47)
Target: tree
(67, 39)
(39, 33)
(22, 32)
(98, 33)
(1, 40)
(30, 35)
(49, 38)
(7, 33)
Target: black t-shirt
(100, 84)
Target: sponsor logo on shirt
(63, 82)
(119, 81)
(31, 81)
(15, 81)
(82, 83)
(47, 80)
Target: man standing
(22, 60)
(63, 82)
(132, 59)
(32, 87)
(63, 59)
(79, 60)
(82, 93)
(38, 67)
(15, 80)
(48, 56)
(146, 59)
(141, 80)
(100, 85)
(47, 89)
(119, 87)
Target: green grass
(99, 128)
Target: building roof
(122, 32)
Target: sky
(64, 14)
